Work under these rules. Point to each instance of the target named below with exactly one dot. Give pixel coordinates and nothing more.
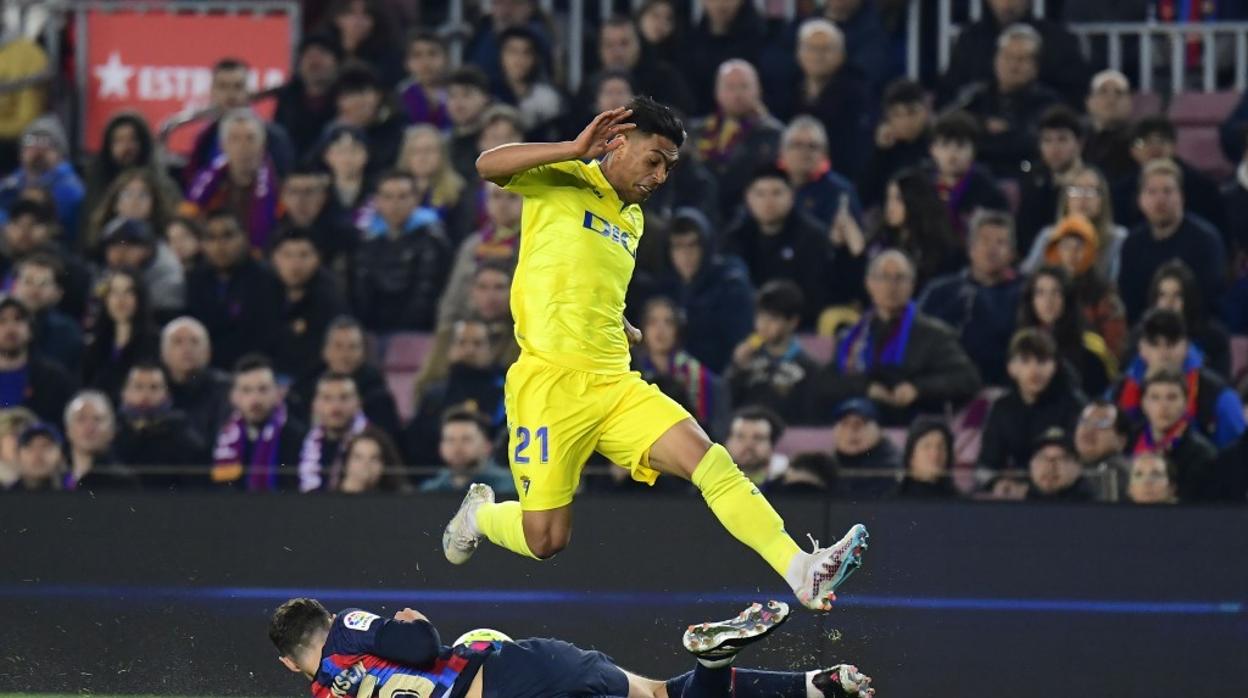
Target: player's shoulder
(557, 175)
(356, 619)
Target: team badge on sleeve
(359, 620)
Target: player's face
(855, 435)
(463, 446)
(14, 331)
(145, 390)
(336, 404)
(1053, 469)
(344, 350)
(1031, 374)
(1150, 483)
(1162, 355)
(749, 443)
(254, 395)
(643, 164)
(1163, 405)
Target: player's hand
(599, 137)
(904, 394)
(410, 615)
(633, 334)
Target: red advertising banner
(159, 63)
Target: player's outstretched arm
(597, 139)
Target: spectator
(1109, 108)
(130, 245)
(1154, 480)
(524, 82)
(1060, 147)
(740, 135)
(729, 31)
(1040, 398)
(369, 463)
(467, 96)
(1168, 232)
(928, 460)
(916, 222)
(620, 53)
(307, 211)
(1174, 288)
(752, 439)
(1049, 304)
(501, 124)
(40, 459)
(660, 353)
(402, 267)
(29, 230)
(305, 104)
(981, 302)
(465, 450)
(345, 153)
(153, 434)
(473, 380)
(27, 67)
(310, 300)
(833, 92)
(423, 92)
(236, 297)
(126, 144)
(343, 352)
(769, 368)
(1010, 104)
(1084, 193)
(1101, 436)
(1155, 140)
(124, 333)
(198, 390)
(858, 444)
(183, 235)
(1235, 196)
(336, 417)
(779, 242)
(962, 184)
(712, 291)
(484, 48)
(134, 195)
(228, 96)
(90, 427)
(902, 138)
(488, 301)
(438, 186)
(866, 39)
(28, 379)
(257, 448)
(44, 162)
(1164, 345)
(13, 421)
(1168, 430)
(55, 335)
(819, 192)
(904, 360)
(807, 474)
(498, 240)
(1055, 473)
(242, 180)
(362, 29)
(1060, 59)
(1234, 130)
(362, 103)
(659, 27)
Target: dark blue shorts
(543, 668)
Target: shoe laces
(814, 544)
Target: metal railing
(1171, 40)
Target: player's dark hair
(1122, 421)
(1154, 125)
(1162, 325)
(956, 127)
(252, 362)
(1060, 117)
(470, 76)
(228, 64)
(1033, 343)
(903, 91)
(294, 622)
(780, 297)
(1163, 377)
(656, 119)
(467, 415)
(758, 413)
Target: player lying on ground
(571, 391)
(359, 654)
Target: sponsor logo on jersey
(610, 231)
(359, 620)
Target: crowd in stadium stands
(1005, 271)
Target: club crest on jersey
(359, 620)
(608, 230)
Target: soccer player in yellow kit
(571, 392)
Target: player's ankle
(795, 575)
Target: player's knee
(546, 544)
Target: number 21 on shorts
(524, 438)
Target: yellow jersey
(577, 252)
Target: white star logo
(114, 77)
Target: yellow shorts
(557, 417)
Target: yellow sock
(503, 524)
(746, 514)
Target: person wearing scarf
(242, 178)
(902, 359)
(259, 440)
(1168, 430)
(661, 354)
(337, 416)
(1211, 407)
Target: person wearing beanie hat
(44, 162)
